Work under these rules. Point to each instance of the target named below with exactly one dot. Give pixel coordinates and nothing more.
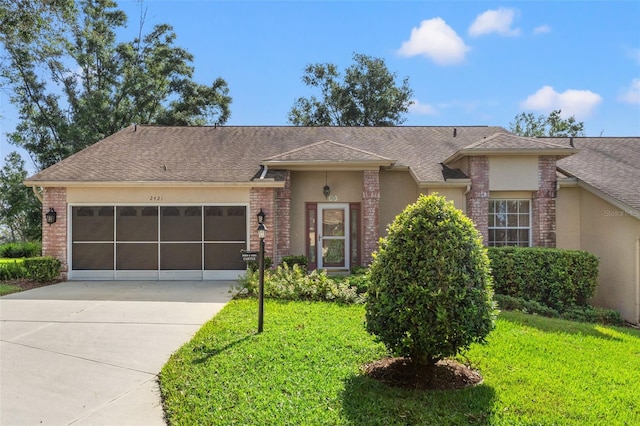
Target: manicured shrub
(18, 250)
(430, 290)
(556, 278)
(295, 260)
(12, 271)
(42, 269)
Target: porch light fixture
(261, 216)
(51, 216)
(326, 190)
(262, 233)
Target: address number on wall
(332, 198)
(155, 198)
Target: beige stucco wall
(157, 195)
(455, 194)
(613, 235)
(306, 187)
(513, 173)
(397, 190)
(568, 218)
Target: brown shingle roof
(611, 165)
(234, 153)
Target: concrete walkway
(88, 353)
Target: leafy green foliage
(526, 124)
(556, 278)
(43, 269)
(12, 270)
(430, 294)
(367, 95)
(296, 283)
(17, 250)
(20, 210)
(74, 84)
(295, 260)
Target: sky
(468, 62)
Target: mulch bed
(399, 372)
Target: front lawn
(306, 369)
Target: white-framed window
(509, 222)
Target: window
(509, 223)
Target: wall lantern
(326, 190)
(261, 216)
(51, 216)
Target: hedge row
(18, 250)
(559, 279)
(42, 269)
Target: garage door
(157, 242)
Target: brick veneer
(478, 196)
(543, 214)
(263, 198)
(54, 237)
(283, 220)
(370, 214)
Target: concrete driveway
(88, 353)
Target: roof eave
(269, 183)
(559, 153)
(320, 165)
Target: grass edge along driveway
(305, 369)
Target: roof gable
(509, 144)
(326, 152)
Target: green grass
(305, 368)
(8, 289)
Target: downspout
(265, 169)
(467, 190)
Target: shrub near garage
(430, 288)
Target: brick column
(263, 198)
(478, 196)
(283, 220)
(543, 209)
(54, 237)
(370, 214)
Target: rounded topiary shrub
(430, 291)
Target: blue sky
(469, 63)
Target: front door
(333, 236)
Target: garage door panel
(223, 256)
(92, 256)
(180, 256)
(138, 223)
(137, 256)
(181, 223)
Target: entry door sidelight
(333, 236)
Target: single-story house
(180, 202)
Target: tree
(20, 211)
(74, 84)
(430, 292)
(526, 124)
(367, 95)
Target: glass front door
(333, 236)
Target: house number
(333, 198)
(155, 198)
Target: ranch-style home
(181, 202)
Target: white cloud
(422, 109)
(437, 41)
(494, 21)
(632, 94)
(542, 29)
(580, 103)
